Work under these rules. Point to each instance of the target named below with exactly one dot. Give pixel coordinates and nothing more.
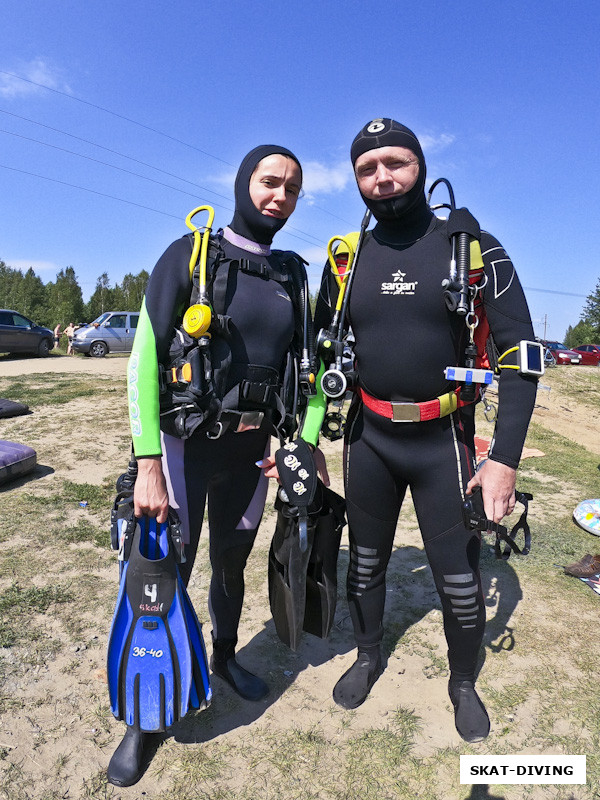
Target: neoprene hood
(389, 133)
(247, 219)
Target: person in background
(57, 336)
(69, 332)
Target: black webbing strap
(509, 538)
(298, 477)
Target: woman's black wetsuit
(261, 292)
(405, 337)
(262, 327)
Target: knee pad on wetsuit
(229, 573)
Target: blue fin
(157, 666)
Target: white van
(111, 332)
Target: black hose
(363, 229)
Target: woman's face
(275, 186)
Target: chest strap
(413, 412)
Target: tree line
(61, 301)
(587, 330)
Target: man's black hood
(389, 133)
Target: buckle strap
(413, 412)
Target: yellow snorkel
(341, 280)
(197, 319)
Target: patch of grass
(17, 604)
(199, 768)
(563, 460)
(377, 764)
(98, 498)
(56, 389)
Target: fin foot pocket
(354, 686)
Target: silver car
(111, 332)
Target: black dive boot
(470, 717)
(223, 664)
(125, 766)
(354, 686)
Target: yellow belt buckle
(186, 372)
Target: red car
(590, 354)
(562, 354)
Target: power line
(113, 197)
(114, 166)
(115, 114)
(133, 122)
(315, 239)
(553, 291)
(86, 189)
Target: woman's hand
(150, 496)
(269, 467)
(497, 483)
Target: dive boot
(125, 767)
(470, 717)
(223, 664)
(354, 686)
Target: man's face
(386, 172)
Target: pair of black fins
(303, 582)
(156, 663)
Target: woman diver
(184, 454)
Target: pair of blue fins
(156, 664)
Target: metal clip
(250, 421)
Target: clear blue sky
(505, 97)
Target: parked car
(111, 332)
(590, 354)
(19, 334)
(562, 354)
(549, 360)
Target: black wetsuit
(405, 337)
(263, 324)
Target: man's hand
(497, 483)
(150, 497)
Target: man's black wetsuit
(405, 338)
(404, 360)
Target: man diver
(396, 437)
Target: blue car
(19, 334)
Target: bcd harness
(195, 394)
(462, 294)
(480, 358)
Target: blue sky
(505, 97)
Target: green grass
(58, 586)
(18, 604)
(54, 389)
